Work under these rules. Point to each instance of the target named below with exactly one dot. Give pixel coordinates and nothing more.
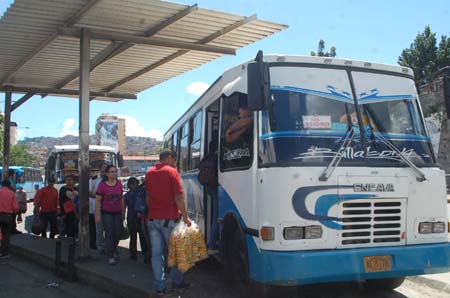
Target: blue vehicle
(27, 178)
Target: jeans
(159, 239)
(112, 222)
(212, 240)
(100, 236)
(135, 227)
(49, 218)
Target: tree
(321, 49)
(20, 156)
(424, 57)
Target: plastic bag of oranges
(186, 246)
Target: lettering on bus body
(373, 187)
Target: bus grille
(372, 222)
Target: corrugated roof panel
(58, 60)
(29, 30)
(35, 21)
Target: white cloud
(197, 88)
(68, 128)
(21, 133)
(134, 128)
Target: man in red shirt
(165, 199)
(8, 208)
(47, 202)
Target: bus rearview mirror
(257, 85)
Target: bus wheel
(239, 260)
(385, 284)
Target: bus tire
(239, 258)
(384, 284)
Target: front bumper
(307, 267)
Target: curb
(432, 283)
(83, 275)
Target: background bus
(27, 178)
(63, 161)
(334, 179)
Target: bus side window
(236, 152)
(196, 125)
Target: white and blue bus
(334, 180)
(63, 161)
(27, 178)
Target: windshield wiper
(420, 175)
(338, 157)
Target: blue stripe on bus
(321, 134)
(307, 267)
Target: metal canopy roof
(136, 44)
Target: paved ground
(21, 278)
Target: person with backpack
(208, 177)
(135, 202)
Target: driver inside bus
(241, 126)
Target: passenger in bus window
(241, 126)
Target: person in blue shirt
(136, 204)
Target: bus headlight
(425, 228)
(313, 232)
(432, 227)
(308, 232)
(439, 227)
(293, 233)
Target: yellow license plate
(377, 263)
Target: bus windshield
(64, 163)
(308, 129)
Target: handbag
(124, 233)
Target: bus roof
(61, 148)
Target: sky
(369, 30)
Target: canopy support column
(7, 131)
(84, 167)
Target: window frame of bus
(195, 137)
(241, 97)
(183, 166)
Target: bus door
(210, 146)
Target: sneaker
(112, 261)
(183, 285)
(161, 292)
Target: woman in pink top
(110, 210)
(8, 208)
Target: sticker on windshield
(317, 121)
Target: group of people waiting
(152, 211)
